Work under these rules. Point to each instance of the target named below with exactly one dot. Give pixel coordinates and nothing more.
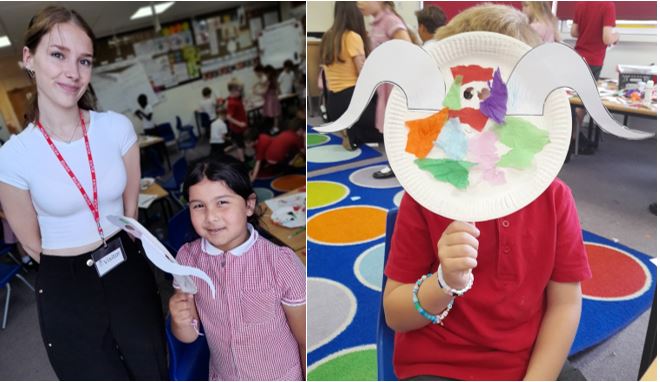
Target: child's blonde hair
(501, 19)
(541, 11)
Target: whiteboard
(118, 89)
(281, 42)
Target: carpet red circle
(617, 275)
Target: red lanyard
(94, 207)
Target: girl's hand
(457, 251)
(182, 308)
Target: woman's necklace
(72, 134)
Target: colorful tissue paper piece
(525, 140)
(482, 150)
(452, 140)
(472, 73)
(471, 117)
(494, 107)
(423, 132)
(453, 97)
(447, 170)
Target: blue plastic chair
(164, 130)
(179, 231)
(7, 273)
(188, 362)
(174, 182)
(385, 335)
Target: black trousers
(364, 130)
(102, 328)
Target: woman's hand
(457, 251)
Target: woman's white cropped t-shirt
(65, 221)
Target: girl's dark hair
(228, 170)
(347, 18)
(40, 25)
(271, 73)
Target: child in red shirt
(236, 117)
(519, 318)
(277, 150)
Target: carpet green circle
(354, 366)
(316, 139)
(324, 193)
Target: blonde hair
(541, 11)
(501, 19)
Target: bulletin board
(170, 57)
(118, 88)
(280, 42)
(227, 40)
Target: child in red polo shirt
(519, 317)
(236, 117)
(279, 149)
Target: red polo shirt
(278, 148)
(236, 110)
(490, 332)
(591, 17)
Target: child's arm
(236, 121)
(457, 250)
(295, 316)
(255, 171)
(183, 311)
(557, 331)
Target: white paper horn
(400, 63)
(551, 66)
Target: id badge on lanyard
(110, 255)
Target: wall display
(117, 87)
(281, 42)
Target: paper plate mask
(479, 125)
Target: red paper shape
(472, 73)
(472, 117)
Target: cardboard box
(631, 75)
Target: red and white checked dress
(245, 326)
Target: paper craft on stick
(497, 138)
(161, 257)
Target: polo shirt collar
(238, 251)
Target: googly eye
(467, 94)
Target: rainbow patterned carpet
(346, 229)
(325, 150)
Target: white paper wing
(159, 255)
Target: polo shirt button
(507, 249)
(505, 223)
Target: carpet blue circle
(263, 194)
(331, 153)
(368, 267)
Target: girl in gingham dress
(255, 326)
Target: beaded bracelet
(451, 291)
(436, 319)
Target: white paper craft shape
(497, 167)
(161, 257)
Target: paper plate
(481, 200)
(289, 217)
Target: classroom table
(151, 140)
(294, 238)
(615, 105)
(161, 195)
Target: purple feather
(494, 107)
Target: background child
(279, 149)
(218, 138)
(207, 104)
(255, 327)
(145, 114)
(236, 117)
(520, 317)
(286, 78)
(272, 108)
(542, 20)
